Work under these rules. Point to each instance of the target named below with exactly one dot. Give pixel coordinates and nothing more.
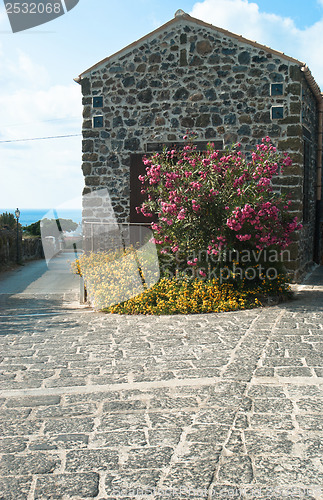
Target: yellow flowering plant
(107, 279)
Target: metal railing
(104, 236)
(132, 263)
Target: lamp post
(17, 214)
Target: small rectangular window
(97, 102)
(277, 112)
(276, 89)
(98, 121)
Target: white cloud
(41, 174)
(20, 71)
(3, 17)
(29, 70)
(280, 33)
(38, 173)
(32, 112)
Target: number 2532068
(33, 8)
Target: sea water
(30, 215)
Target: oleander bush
(216, 211)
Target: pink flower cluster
(265, 221)
(195, 206)
(168, 208)
(153, 172)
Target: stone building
(188, 74)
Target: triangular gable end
(185, 19)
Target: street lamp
(17, 214)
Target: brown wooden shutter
(136, 198)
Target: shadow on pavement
(311, 300)
(17, 280)
(26, 317)
(36, 289)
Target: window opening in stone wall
(137, 168)
(277, 112)
(276, 89)
(306, 181)
(97, 102)
(98, 121)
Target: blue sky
(39, 98)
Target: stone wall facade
(190, 76)
(32, 249)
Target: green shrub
(7, 220)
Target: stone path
(206, 406)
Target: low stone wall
(8, 246)
(29, 248)
(32, 249)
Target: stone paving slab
(226, 405)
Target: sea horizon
(31, 215)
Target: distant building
(188, 74)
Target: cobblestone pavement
(206, 406)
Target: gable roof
(181, 16)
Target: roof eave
(312, 84)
